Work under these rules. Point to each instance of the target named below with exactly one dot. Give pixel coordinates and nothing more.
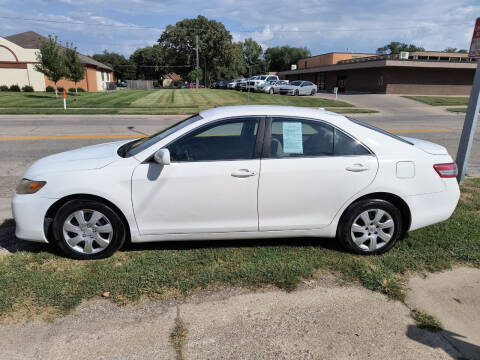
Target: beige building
(18, 56)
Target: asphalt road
(26, 138)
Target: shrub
(72, 90)
(4, 88)
(14, 88)
(60, 89)
(50, 89)
(27, 88)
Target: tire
(98, 235)
(376, 237)
(270, 91)
(297, 93)
(312, 92)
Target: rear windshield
(296, 83)
(374, 128)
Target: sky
(322, 26)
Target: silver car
(272, 87)
(299, 87)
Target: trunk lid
(427, 146)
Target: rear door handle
(243, 173)
(357, 168)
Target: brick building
(18, 55)
(427, 72)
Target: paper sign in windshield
(292, 138)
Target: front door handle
(243, 173)
(357, 168)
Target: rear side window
(305, 138)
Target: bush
(72, 90)
(4, 88)
(60, 89)
(27, 88)
(50, 89)
(15, 88)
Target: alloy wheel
(87, 231)
(372, 229)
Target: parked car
(122, 84)
(297, 172)
(259, 80)
(222, 84)
(234, 83)
(244, 83)
(299, 87)
(272, 87)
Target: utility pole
(198, 62)
(470, 123)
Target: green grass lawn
(180, 101)
(440, 100)
(38, 281)
(457, 110)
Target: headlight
(29, 186)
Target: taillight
(448, 170)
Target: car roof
(272, 110)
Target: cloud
(320, 25)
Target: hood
(427, 146)
(85, 158)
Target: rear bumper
(429, 209)
(29, 214)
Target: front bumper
(29, 213)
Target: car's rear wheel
(370, 227)
(87, 230)
(297, 93)
(312, 92)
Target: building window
(305, 64)
(103, 76)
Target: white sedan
(298, 87)
(235, 173)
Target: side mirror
(162, 157)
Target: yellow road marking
(120, 136)
(63, 137)
(404, 131)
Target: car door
(309, 170)
(210, 185)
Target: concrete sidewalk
(320, 320)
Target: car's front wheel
(88, 229)
(370, 227)
(297, 93)
(270, 91)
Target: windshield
(136, 146)
(262, 77)
(295, 83)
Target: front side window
(295, 83)
(227, 140)
(300, 138)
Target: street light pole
(198, 62)
(469, 126)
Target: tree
(149, 62)
(252, 51)
(122, 68)
(51, 61)
(396, 47)
(192, 75)
(74, 69)
(214, 45)
(454, 50)
(280, 58)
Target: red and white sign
(475, 46)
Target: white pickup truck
(254, 84)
